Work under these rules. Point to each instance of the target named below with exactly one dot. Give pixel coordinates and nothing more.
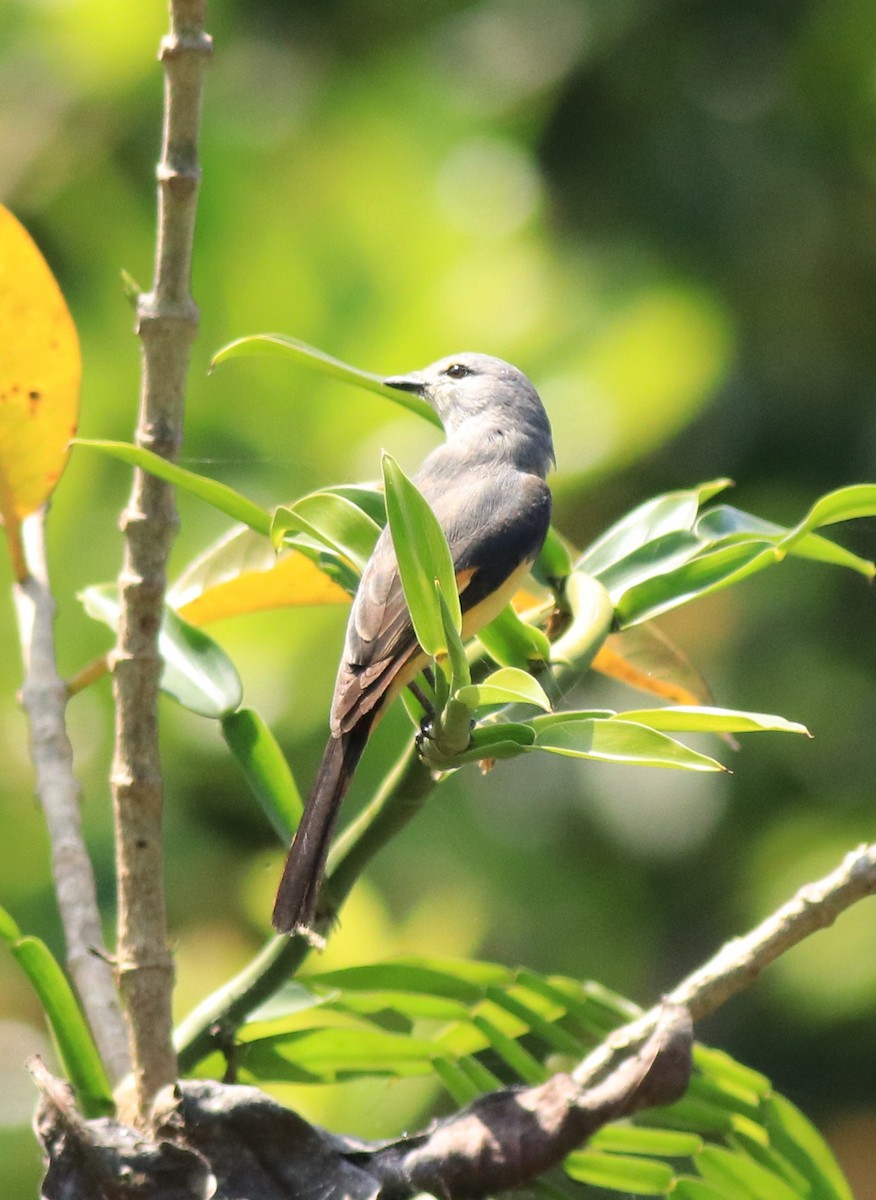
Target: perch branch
(43, 696)
(167, 321)
(739, 962)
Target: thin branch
(43, 696)
(167, 321)
(739, 963)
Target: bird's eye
(458, 371)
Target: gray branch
(741, 961)
(44, 699)
(167, 321)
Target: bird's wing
(493, 522)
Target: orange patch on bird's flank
(39, 374)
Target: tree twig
(167, 321)
(738, 963)
(43, 696)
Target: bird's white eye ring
(458, 371)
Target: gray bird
(486, 485)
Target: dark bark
(254, 1149)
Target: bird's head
(478, 395)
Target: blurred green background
(665, 214)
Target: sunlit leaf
(616, 740)
(845, 504)
(423, 558)
(331, 519)
(688, 1188)
(798, 1140)
(727, 1072)
(505, 686)
(79, 1055)
(727, 1170)
(332, 1053)
(280, 345)
(638, 1139)
(669, 513)
(554, 561)
(219, 495)
(644, 1177)
(266, 768)
(39, 374)
(197, 671)
(699, 577)
(592, 619)
(458, 978)
(690, 719)
(241, 574)
(655, 557)
(512, 642)
(723, 524)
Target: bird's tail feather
(297, 895)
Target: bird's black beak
(414, 383)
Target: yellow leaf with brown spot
(40, 370)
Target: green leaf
(266, 768)
(725, 523)
(505, 686)
(685, 718)
(460, 674)
(654, 558)
(452, 978)
(616, 740)
(644, 1177)
(553, 1035)
(668, 513)
(279, 345)
(524, 1065)
(624, 1138)
(554, 561)
(731, 1171)
(197, 671)
(333, 521)
(749, 1085)
(412, 1006)
(219, 495)
(845, 504)
(511, 642)
(692, 1113)
(592, 619)
(688, 1188)
(459, 1085)
(76, 1048)
(502, 739)
(698, 577)
(336, 1052)
(423, 558)
(800, 1143)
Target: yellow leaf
(645, 658)
(291, 580)
(39, 375)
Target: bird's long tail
(297, 895)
